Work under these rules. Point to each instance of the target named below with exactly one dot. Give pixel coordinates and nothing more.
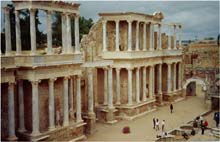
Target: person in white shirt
(157, 125)
(163, 125)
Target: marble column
(49, 33)
(18, 33)
(159, 38)
(151, 37)
(51, 104)
(110, 89)
(7, 31)
(180, 37)
(117, 39)
(71, 93)
(169, 84)
(137, 36)
(169, 38)
(174, 76)
(151, 86)
(104, 34)
(64, 38)
(137, 85)
(180, 76)
(159, 79)
(78, 100)
(65, 102)
(144, 98)
(68, 33)
(90, 92)
(144, 37)
(174, 37)
(130, 102)
(77, 47)
(11, 112)
(33, 31)
(35, 108)
(21, 106)
(105, 86)
(118, 86)
(129, 35)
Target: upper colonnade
(67, 10)
(141, 19)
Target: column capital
(130, 68)
(117, 69)
(76, 15)
(104, 21)
(137, 68)
(35, 82)
(117, 21)
(52, 79)
(129, 21)
(66, 77)
(32, 10)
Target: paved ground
(142, 129)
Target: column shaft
(180, 76)
(64, 38)
(110, 89)
(68, 33)
(78, 100)
(144, 37)
(160, 79)
(174, 37)
(130, 102)
(180, 37)
(11, 114)
(7, 32)
(51, 104)
(90, 92)
(169, 78)
(104, 35)
(33, 31)
(129, 35)
(117, 39)
(174, 77)
(151, 85)
(18, 33)
(105, 87)
(49, 33)
(159, 38)
(144, 84)
(137, 36)
(77, 47)
(35, 108)
(151, 37)
(65, 103)
(137, 85)
(169, 38)
(21, 106)
(118, 83)
(71, 93)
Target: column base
(52, 128)
(90, 120)
(34, 134)
(12, 138)
(66, 124)
(21, 130)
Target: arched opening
(191, 89)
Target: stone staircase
(215, 132)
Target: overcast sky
(199, 18)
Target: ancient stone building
(124, 68)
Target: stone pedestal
(90, 120)
(110, 116)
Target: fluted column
(110, 89)
(77, 47)
(169, 78)
(174, 77)
(159, 38)
(78, 100)
(21, 106)
(105, 86)
(18, 33)
(151, 86)
(7, 31)
(137, 85)
(160, 79)
(65, 102)
(174, 37)
(71, 93)
(144, 37)
(11, 112)
(180, 37)
(144, 84)
(104, 40)
(49, 33)
(35, 108)
(51, 104)
(180, 76)
(68, 33)
(169, 38)
(118, 96)
(151, 37)
(64, 37)
(33, 31)
(90, 92)
(129, 35)
(117, 39)
(137, 36)
(130, 102)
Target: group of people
(156, 124)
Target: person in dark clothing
(203, 129)
(216, 118)
(154, 122)
(193, 132)
(171, 108)
(186, 137)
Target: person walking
(216, 118)
(171, 108)
(157, 124)
(163, 125)
(154, 122)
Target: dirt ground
(142, 128)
